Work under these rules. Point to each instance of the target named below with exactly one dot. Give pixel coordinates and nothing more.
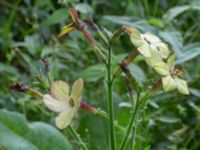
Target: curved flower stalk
(64, 101)
(78, 25)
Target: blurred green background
(28, 32)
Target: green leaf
(17, 134)
(189, 52)
(57, 17)
(141, 24)
(94, 73)
(175, 40)
(168, 119)
(32, 43)
(137, 72)
(4, 68)
(174, 12)
(84, 8)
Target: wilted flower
(64, 101)
(78, 25)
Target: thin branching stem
(130, 125)
(110, 100)
(77, 137)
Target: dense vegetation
(29, 36)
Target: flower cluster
(64, 101)
(158, 56)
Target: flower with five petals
(63, 100)
(170, 76)
(147, 44)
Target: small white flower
(63, 101)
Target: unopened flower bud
(91, 23)
(47, 65)
(19, 87)
(124, 67)
(128, 85)
(88, 107)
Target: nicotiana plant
(65, 101)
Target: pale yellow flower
(170, 80)
(146, 43)
(64, 101)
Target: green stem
(133, 135)
(77, 137)
(130, 125)
(110, 100)
(132, 142)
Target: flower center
(71, 102)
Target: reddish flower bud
(88, 107)
(91, 23)
(46, 64)
(124, 67)
(19, 87)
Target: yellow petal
(67, 29)
(53, 104)
(136, 38)
(60, 90)
(163, 49)
(162, 68)
(151, 38)
(155, 57)
(168, 83)
(171, 60)
(144, 50)
(77, 88)
(182, 86)
(64, 118)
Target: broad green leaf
(141, 24)
(94, 73)
(156, 22)
(84, 8)
(175, 40)
(17, 134)
(147, 147)
(168, 119)
(174, 12)
(189, 52)
(137, 72)
(57, 17)
(8, 69)
(118, 58)
(195, 92)
(32, 44)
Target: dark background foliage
(29, 31)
